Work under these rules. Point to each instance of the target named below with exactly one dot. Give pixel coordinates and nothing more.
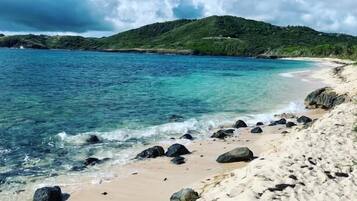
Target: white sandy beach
(280, 155)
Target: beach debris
(240, 124)
(187, 136)
(178, 160)
(93, 139)
(48, 194)
(176, 118)
(186, 194)
(221, 134)
(259, 124)
(290, 124)
(285, 132)
(104, 193)
(304, 120)
(177, 150)
(236, 155)
(328, 174)
(152, 152)
(292, 177)
(324, 98)
(257, 130)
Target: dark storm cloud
(51, 15)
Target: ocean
(52, 100)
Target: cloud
(96, 16)
(50, 15)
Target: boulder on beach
(93, 139)
(186, 194)
(281, 121)
(48, 194)
(290, 124)
(304, 120)
(178, 160)
(256, 130)
(240, 124)
(259, 124)
(177, 150)
(236, 155)
(221, 134)
(324, 98)
(151, 152)
(187, 136)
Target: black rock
(91, 161)
(341, 174)
(281, 121)
(281, 187)
(175, 118)
(260, 124)
(186, 194)
(256, 130)
(236, 155)
(178, 160)
(187, 137)
(221, 134)
(48, 194)
(152, 152)
(324, 98)
(240, 124)
(177, 150)
(290, 124)
(78, 168)
(93, 139)
(273, 123)
(304, 120)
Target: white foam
(292, 74)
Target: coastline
(157, 179)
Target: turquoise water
(51, 100)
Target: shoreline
(157, 179)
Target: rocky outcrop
(48, 194)
(221, 134)
(151, 152)
(177, 150)
(240, 124)
(186, 194)
(324, 98)
(257, 130)
(236, 155)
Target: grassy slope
(225, 35)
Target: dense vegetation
(216, 35)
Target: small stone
(281, 121)
(236, 155)
(178, 160)
(48, 194)
(259, 124)
(186, 194)
(304, 120)
(152, 152)
(240, 124)
(290, 124)
(93, 139)
(187, 137)
(341, 174)
(256, 130)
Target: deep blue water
(49, 100)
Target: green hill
(216, 35)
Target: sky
(106, 17)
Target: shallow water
(50, 101)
